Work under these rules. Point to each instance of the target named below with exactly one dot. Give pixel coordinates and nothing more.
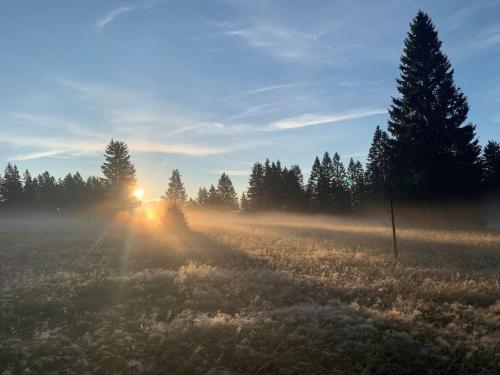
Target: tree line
(429, 153)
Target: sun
(139, 193)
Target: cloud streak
(108, 18)
(320, 119)
(111, 16)
(276, 87)
(35, 155)
(279, 41)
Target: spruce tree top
(433, 152)
(176, 191)
(117, 167)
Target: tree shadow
(284, 320)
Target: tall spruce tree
(377, 167)
(227, 195)
(256, 193)
(293, 181)
(176, 191)
(213, 196)
(48, 190)
(29, 189)
(356, 182)
(12, 190)
(491, 167)
(202, 199)
(312, 184)
(118, 170)
(341, 201)
(325, 183)
(433, 154)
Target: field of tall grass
(240, 294)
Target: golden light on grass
(139, 194)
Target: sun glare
(139, 193)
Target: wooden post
(395, 242)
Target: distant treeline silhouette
(429, 154)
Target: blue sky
(214, 85)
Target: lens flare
(139, 193)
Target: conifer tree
(293, 182)
(176, 191)
(377, 167)
(118, 170)
(491, 166)
(356, 184)
(12, 190)
(434, 155)
(95, 190)
(213, 196)
(67, 190)
(226, 193)
(312, 183)
(325, 183)
(29, 189)
(340, 192)
(202, 199)
(2, 187)
(48, 191)
(244, 203)
(256, 193)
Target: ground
(237, 294)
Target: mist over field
(241, 293)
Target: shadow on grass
(192, 304)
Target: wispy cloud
(276, 87)
(68, 146)
(257, 110)
(489, 38)
(127, 110)
(320, 119)
(182, 149)
(35, 155)
(109, 17)
(279, 41)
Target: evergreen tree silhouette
(67, 191)
(356, 184)
(12, 187)
(94, 190)
(29, 190)
(226, 193)
(312, 184)
(119, 172)
(325, 184)
(176, 191)
(213, 196)
(293, 181)
(244, 203)
(491, 167)
(377, 167)
(48, 191)
(202, 199)
(341, 201)
(256, 193)
(434, 155)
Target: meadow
(245, 294)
